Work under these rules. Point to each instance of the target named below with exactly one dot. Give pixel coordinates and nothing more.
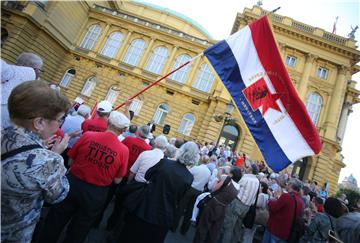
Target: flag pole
(159, 80)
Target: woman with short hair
(31, 174)
(152, 209)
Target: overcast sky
(217, 17)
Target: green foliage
(351, 195)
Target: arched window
(313, 106)
(112, 44)
(157, 60)
(91, 37)
(187, 124)
(134, 52)
(204, 78)
(135, 106)
(65, 81)
(182, 73)
(89, 86)
(160, 114)
(112, 95)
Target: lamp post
(229, 110)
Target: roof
(177, 14)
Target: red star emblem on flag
(258, 95)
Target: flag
(334, 26)
(250, 66)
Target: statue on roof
(351, 35)
(259, 3)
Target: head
(305, 190)
(143, 132)
(170, 151)
(188, 154)
(104, 108)
(235, 173)
(179, 142)
(32, 60)
(264, 187)
(294, 185)
(133, 128)
(254, 169)
(161, 142)
(35, 106)
(4, 36)
(334, 207)
(204, 159)
(118, 122)
(172, 141)
(84, 111)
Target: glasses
(60, 120)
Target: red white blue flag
(251, 68)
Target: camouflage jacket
(27, 180)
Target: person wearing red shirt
(98, 123)
(281, 214)
(240, 161)
(137, 145)
(97, 160)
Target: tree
(351, 195)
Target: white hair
(170, 151)
(172, 141)
(161, 142)
(28, 59)
(84, 111)
(188, 153)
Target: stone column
(102, 39)
(282, 47)
(194, 68)
(346, 110)
(305, 76)
(124, 47)
(334, 109)
(170, 60)
(146, 54)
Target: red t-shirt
(97, 124)
(99, 158)
(136, 146)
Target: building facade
(99, 50)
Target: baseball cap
(119, 120)
(104, 106)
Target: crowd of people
(59, 158)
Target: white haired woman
(152, 210)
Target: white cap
(119, 120)
(104, 106)
(84, 110)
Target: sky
(217, 17)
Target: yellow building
(110, 50)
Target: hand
(60, 144)
(75, 134)
(128, 103)
(50, 141)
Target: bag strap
(292, 195)
(19, 150)
(257, 195)
(332, 227)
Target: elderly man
(148, 159)
(100, 122)
(32, 60)
(282, 213)
(72, 125)
(236, 211)
(12, 76)
(99, 159)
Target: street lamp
(229, 110)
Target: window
(89, 86)
(204, 78)
(136, 106)
(187, 124)
(182, 73)
(322, 73)
(112, 44)
(290, 61)
(112, 95)
(134, 52)
(91, 37)
(65, 81)
(157, 60)
(160, 114)
(313, 106)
